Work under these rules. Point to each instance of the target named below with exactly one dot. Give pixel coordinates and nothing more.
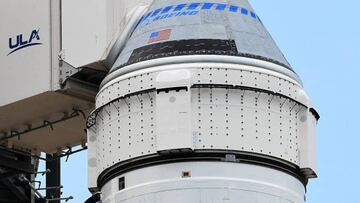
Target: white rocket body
(200, 106)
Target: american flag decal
(160, 36)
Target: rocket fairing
(200, 105)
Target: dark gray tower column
(53, 179)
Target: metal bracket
(230, 158)
(35, 181)
(68, 153)
(51, 188)
(46, 123)
(36, 190)
(66, 70)
(43, 172)
(66, 199)
(29, 183)
(61, 55)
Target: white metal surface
(145, 66)
(247, 121)
(28, 71)
(207, 182)
(138, 79)
(270, 123)
(173, 121)
(84, 30)
(90, 26)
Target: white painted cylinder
(206, 182)
(187, 112)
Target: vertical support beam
(56, 42)
(53, 179)
(32, 194)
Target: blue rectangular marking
(179, 7)
(154, 34)
(253, 14)
(233, 9)
(157, 11)
(167, 9)
(207, 6)
(221, 7)
(193, 6)
(244, 11)
(147, 15)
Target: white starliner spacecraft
(200, 105)
(181, 101)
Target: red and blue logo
(160, 36)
